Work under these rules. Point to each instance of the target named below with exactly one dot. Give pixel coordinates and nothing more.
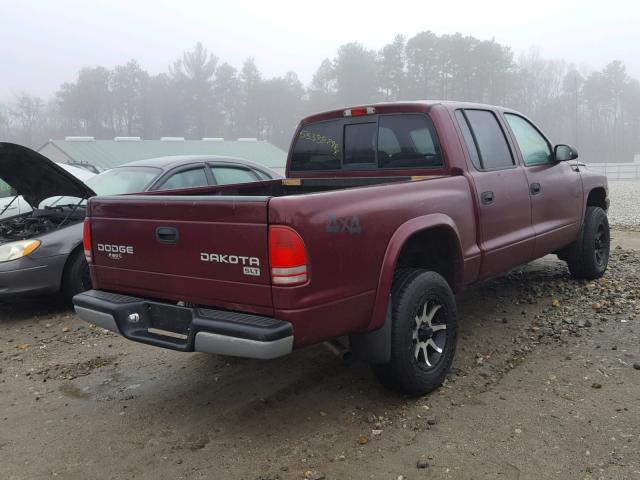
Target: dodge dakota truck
(387, 211)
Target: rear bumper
(186, 329)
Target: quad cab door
(502, 193)
(555, 188)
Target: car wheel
(423, 334)
(76, 278)
(588, 257)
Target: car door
(555, 188)
(501, 188)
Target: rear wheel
(76, 278)
(588, 257)
(423, 333)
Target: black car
(41, 251)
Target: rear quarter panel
(347, 235)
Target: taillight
(287, 256)
(86, 239)
(357, 112)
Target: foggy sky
(45, 43)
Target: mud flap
(374, 347)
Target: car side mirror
(562, 153)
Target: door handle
(167, 234)
(7, 208)
(535, 188)
(487, 198)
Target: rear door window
(396, 141)
(489, 140)
(186, 179)
(229, 175)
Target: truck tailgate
(207, 250)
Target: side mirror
(562, 153)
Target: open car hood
(37, 178)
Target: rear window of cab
(396, 141)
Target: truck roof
(414, 105)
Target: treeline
(200, 96)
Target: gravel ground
(624, 212)
(545, 384)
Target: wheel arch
(405, 248)
(598, 198)
(65, 268)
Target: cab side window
(485, 140)
(533, 146)
(468, 139)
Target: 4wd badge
(350, 225)
(115, 252)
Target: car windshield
(118, 181)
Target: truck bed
(205, 246)
(292, 186)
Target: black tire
(588, 257)
(76, 278)
(416, 293)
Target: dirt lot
(546, 384)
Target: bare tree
(25, 113)
(540, 82)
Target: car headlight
(13, 250)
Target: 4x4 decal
(350, 225)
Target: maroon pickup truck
(386, 212)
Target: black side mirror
(562, 153)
